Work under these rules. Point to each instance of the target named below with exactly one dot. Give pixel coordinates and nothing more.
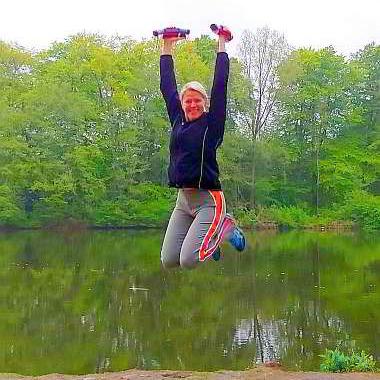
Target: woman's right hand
(168, 44)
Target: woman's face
(193, 104)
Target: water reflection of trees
(314, 280)
(76, 306)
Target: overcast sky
(348, 25)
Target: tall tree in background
(316, 109)
(15, 160)
(367, 97)
(260, 54)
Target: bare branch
(260, 54)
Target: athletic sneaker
(237, 239)
(217, 254)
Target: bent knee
(167, 263)
(189, 262)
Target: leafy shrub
(364, 209)
(143, 204)
(53, 209)
(245, 217)
(10, 213)
(289, 216)
(336, 361)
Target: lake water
(99, 301)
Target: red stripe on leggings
(218, 197)
(226, 227)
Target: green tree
(316, 107)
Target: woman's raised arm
(168, 84)
(218, 99)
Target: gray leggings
(197, 226)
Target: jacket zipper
(203, 149)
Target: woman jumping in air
(199, 222)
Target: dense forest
(84, 132)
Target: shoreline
(272, 227)
(258, 373)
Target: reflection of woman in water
(199, 222)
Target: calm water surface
(99, 301)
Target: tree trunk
(253, 174)
(317, 182)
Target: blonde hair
(196, 86)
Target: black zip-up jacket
(193, 144)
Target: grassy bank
(149, 206)
(356, 213)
